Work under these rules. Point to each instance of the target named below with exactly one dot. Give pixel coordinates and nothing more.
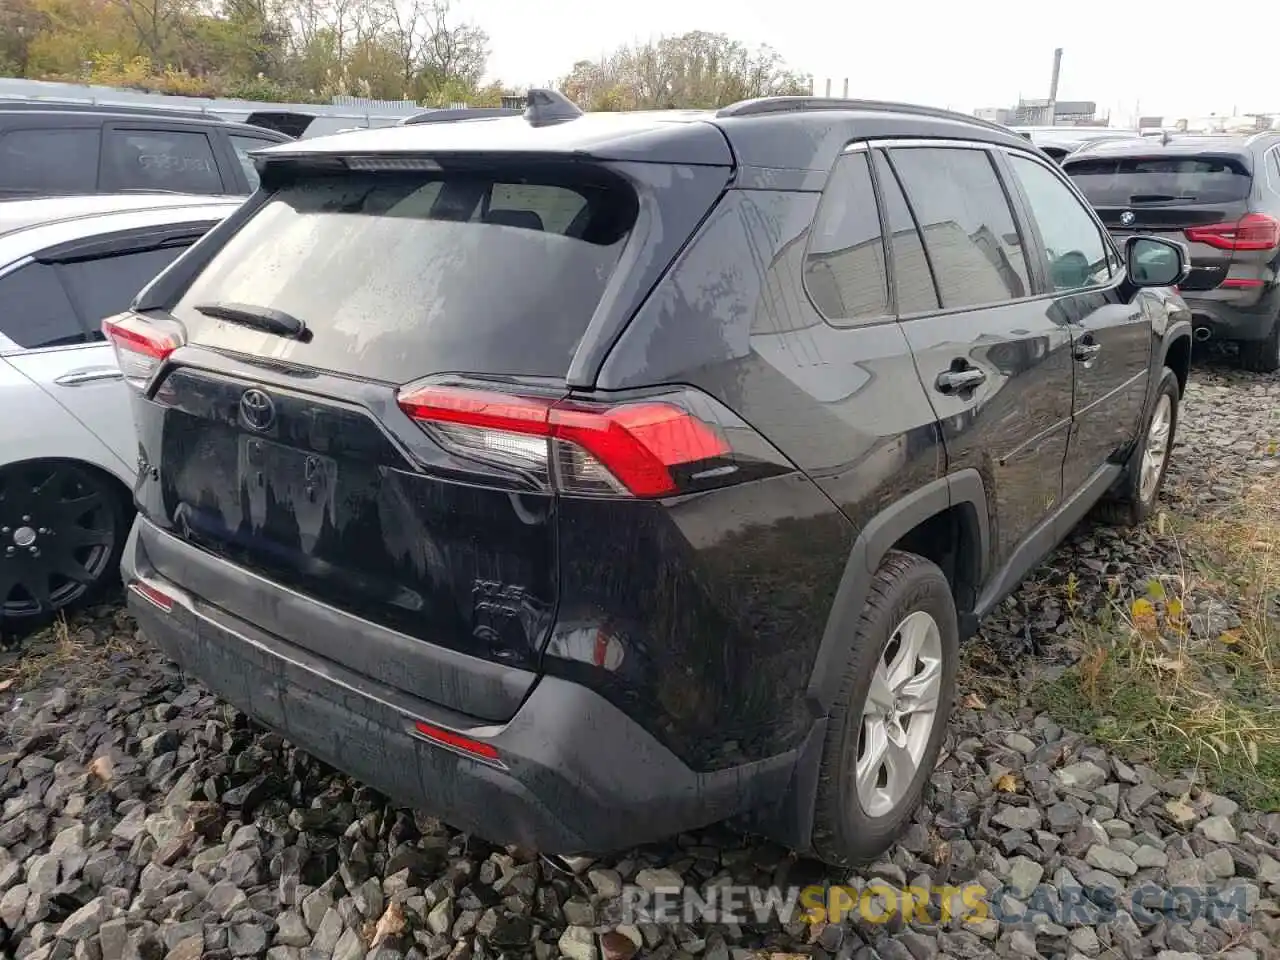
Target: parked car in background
(67, 450)
(61, 151)
(1060, 142)
(1219, 194)
(579, 532)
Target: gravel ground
(143, 819)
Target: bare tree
(155, 23)
(696, 69)
(452, 53)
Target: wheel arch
(1177, 355)
(105, 466)
(954, 505)
(946, 519)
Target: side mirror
(1156, 262)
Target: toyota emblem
(1126, 218)
(257, 409)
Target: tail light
(1253, 231)
(646, 448)
(141, 344)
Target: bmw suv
(586, 478)
(1221, 196)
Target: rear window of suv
(1124, 181)
(398, 276)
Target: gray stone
(440, 919)
(113, 936)
(349, 947)
(291, 930)
(1084, 775)
(1221, 862)
(1218, 829)
(329, 931)
(607, 883)
(1146, 857)
(1104, 858)
(1024, 875)
(658, 879)
(247, 939)
(577, 943)
(86, 921)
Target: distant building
(1042, 113)
(1002, 115)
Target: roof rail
(449, 114)
(764, 105)
(91, 106)
(1261, 135)
(547, 106)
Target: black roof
(799, 134)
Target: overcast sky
(975, 54)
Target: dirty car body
(508, 466)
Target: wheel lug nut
(34, 550)
(4, 529)
(8, 551)
(26, 519)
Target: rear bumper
(573, 773)
(1235, 314)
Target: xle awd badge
(257, 410)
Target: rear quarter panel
(46, 430)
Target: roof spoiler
(282, 121)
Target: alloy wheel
(57, 536)
(1156, 450)
(899, 714)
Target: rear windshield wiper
(260, 318)
(1155, 198)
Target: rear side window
(52, 160)
(35, 311)
(912, 277)
(1125, 181)
(243, 146)
(968, 228)
(174, 160)
(844, 270)
(107, 285)
(399, 276)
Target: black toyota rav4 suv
(582, 479)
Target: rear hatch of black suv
(360, 396)
(1195, 190)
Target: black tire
(1262, 356)
(63, 526)
(844, 833)
(1127, 507)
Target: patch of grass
(1165, 679)
(56, 650)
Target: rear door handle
(78, 378)
(1087, 351)
(958, 381)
